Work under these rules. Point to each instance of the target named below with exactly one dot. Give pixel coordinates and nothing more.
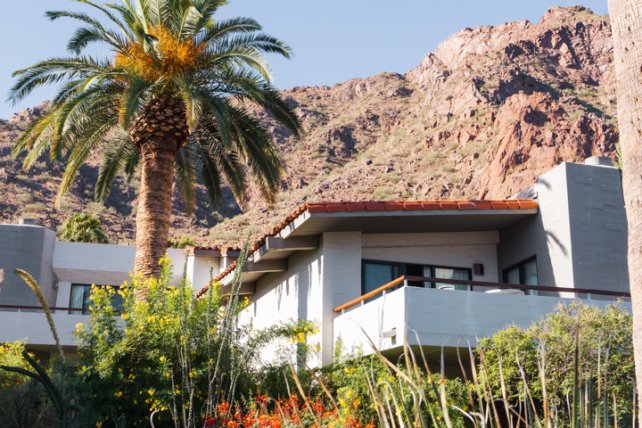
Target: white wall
(100, 264)
(432, 317)
(461, 249)
(342, 255)
(315, 282)
(286, 297)
(199, 268)
(357, 327)
(546, 236)
(32, 327)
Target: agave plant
(173, 103)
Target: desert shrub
(182, 241)
(23, 403)
(172, 355)
(83, 227)
(577, 362)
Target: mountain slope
(482, 116)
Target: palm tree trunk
(153, 218)
(626, 23)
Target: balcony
(29, 324)
(398, 313)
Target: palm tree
(83, 227)
(174, 102)
(626, 22)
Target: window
(79, 299)
(451, 273)
(374, 274)
(524, 273)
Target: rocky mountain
(484, 114)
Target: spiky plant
(37, 291)
(173, 102)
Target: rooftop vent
(598, 161)
(28, 222)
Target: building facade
(384, 274)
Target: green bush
(23, 402)
(83, 227)
(172, 355)
(579, 352)
(183, 241)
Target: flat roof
(314, 218)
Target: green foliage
(172, 355)
(375, 390)
(579, 352)
(11, 355)
(23, 401)
(183, 241)
(212, 69)
(83, 227)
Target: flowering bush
(171, 355)
(283, 413)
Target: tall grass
(525, 389)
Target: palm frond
(186, 177)
(120, 151)
(228, 26)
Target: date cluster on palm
(162, 118)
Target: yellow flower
(80, 326)
(163, 359)
(118, 394)
(151, 391)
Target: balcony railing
(404, 280)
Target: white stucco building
(430, 273)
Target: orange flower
(171, 58)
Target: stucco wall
(546, 235)
(25, 247)
(598, 227)
(579, 234)
(436, 318)
(342, 255)
(200, 269)
(286, 297)
(103, 264)
(315, 282)
(461, 249)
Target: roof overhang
(309, 224)
(302, 233)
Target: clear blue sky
(333, 40)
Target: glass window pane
(79, 298)
(530, 273)
(511, 276)
(117, 300)
(86, 299)
(375, 275)
(452, 273)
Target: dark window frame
(522, 271)
(402, 267)
(87, 292)
(398, 265)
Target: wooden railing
(405, 279)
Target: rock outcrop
(482, 116)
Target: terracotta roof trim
(374, 206)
